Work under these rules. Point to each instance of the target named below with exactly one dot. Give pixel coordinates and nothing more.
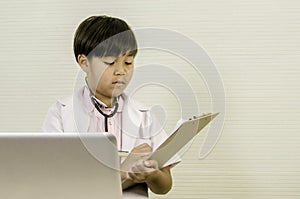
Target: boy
(105, 48)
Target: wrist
(159, 183)
(154, 177)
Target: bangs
(116, 45)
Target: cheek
(96, 76)
(99, 72)
(130, 73)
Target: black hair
(104, 36)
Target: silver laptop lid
(59, 166)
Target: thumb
(151, 164)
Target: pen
(123, 153)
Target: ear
(83, 62)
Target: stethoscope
(98, 106)
(106, 116)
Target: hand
(135, 165)
(143, 170)
(136, 169)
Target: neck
(108, 101)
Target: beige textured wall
(255, 45)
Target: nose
(120, 69)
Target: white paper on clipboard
(181, 135)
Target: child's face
(109, 76)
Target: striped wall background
(255, 46)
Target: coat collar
(76, 112)
(89, 106)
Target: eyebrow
(131, 53)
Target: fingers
(124, 175)
(145, 166)
(137, 177)
(142, 151)
(142, 170)
(139, 167)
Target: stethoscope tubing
(106, 116)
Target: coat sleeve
(53, 120)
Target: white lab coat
(138, 126)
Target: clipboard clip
(203, 115)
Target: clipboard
(180, 137)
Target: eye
(109, 63)
(128, 63)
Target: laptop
(59, 166)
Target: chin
(116, 94)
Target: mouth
(119, 82)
